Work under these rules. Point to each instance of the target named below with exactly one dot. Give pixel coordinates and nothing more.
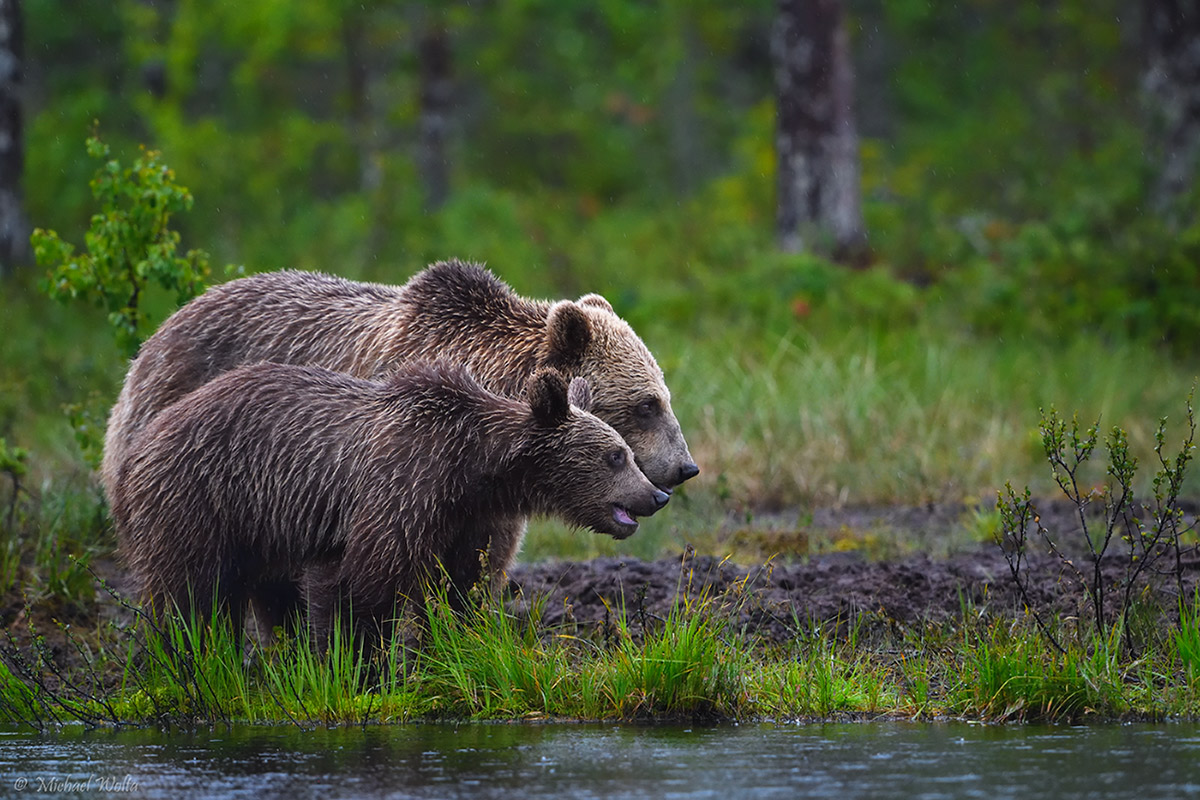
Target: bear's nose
(660, 499)
(688, 470)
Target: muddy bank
(787, 595)
(778, 601)
(773, 599)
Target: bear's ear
(596, 301)
(579, 394)
(567, 336)
(547, 395)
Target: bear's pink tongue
(622, 516)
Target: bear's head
(586, 472)
(586, 338)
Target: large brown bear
(272, 470)
(452, 310)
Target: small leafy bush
(129, 246)
(1148, 535)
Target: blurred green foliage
(13, 463)
(614, 143)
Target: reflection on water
(876, 760)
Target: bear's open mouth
(622, 516)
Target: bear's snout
(647, 504)
(661, 498)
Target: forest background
(1027, 237)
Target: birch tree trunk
(433, 53)
(358, 82)
(1172, 82)
(816, 143)
(14, 228)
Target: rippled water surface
(875, 760)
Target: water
(870, 760)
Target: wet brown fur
(452, 310)
(271, 470)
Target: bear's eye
(616, 459)
(647, 408)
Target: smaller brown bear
(271, 471)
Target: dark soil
(774, 600)
(780, 600)
(789, 596)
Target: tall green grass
(486, 664)
(325, 687)
(905, 415)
